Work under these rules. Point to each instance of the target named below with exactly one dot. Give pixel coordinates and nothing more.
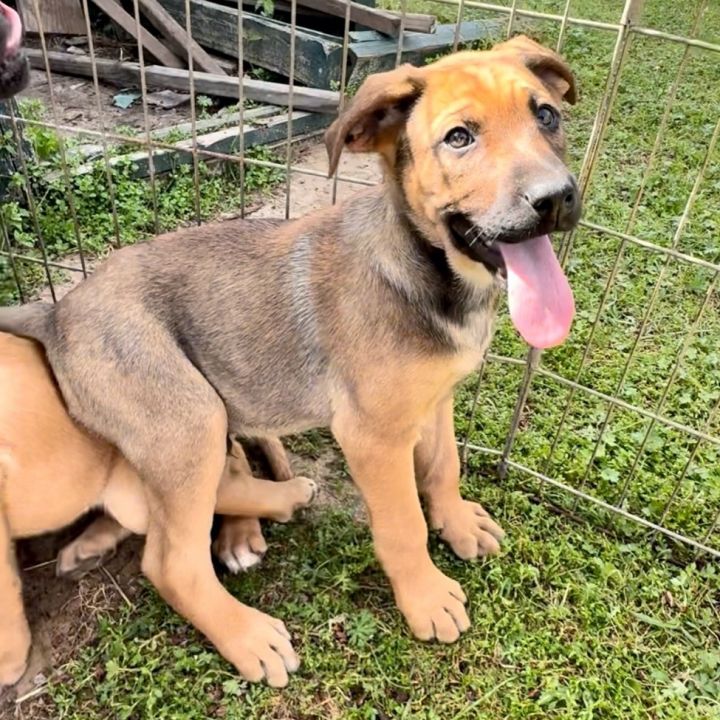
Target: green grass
(568, 623)
(574, 620)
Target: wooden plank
(127, 73)
(313, 99)
(266, 42)
(415, 22)
(372, 52)
(127, 22)
(262, 132)
(383, 21)
(176, 36)
(216, 122)
(369, 17)
(59, 17)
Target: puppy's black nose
(555, 201)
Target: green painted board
(373, 52)
(266, 42)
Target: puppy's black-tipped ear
(375, 114)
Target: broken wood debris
(227, 141)
(267, 42)
(124, 74)
(177, 37)
(60, 17)
(380, 20)
(127, 22)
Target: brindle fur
(362, 317)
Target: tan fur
(53, 472)
(361, 317)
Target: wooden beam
(385, 22)
(266, 42)
(251, 116)
(372, 52)
(127, 22)
(128, 73)
(262, 132)
(415, 22)
(60, 17)
(177, 37)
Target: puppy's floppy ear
(375, 114)
(545, 63)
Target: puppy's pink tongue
(539, 296)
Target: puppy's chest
(472, 337)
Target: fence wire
(557, 477)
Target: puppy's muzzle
(540, 208)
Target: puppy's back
(52, 470)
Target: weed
(131, 202)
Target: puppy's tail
(30, 321)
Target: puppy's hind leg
(14, 630)
(171, 426)
(277, 458)
(88, 551)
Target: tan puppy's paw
(433, 605)
(240, 545)
(75, 560)
(91, 548)
(299, 493)
(262, 650)
(467, 528)
(14, 652)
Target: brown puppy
(51, 472)
(362, 316)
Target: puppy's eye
(459, 138)
(548, 117)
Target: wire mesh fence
(623, 421)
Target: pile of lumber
(203, 51)
(169, 50)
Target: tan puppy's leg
(14, 630)
(88, 551)
(177, 556)
(277, 458)
(240, 543)
(464, 525)
(241, 493)
(382, 467)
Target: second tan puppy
(361, 317)
(51, 472)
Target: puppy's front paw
(77, 559)
(262, 650)
(467, 528)
(299, 493)
(433, 605)
(240, 544)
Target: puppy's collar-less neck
(442, 292)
